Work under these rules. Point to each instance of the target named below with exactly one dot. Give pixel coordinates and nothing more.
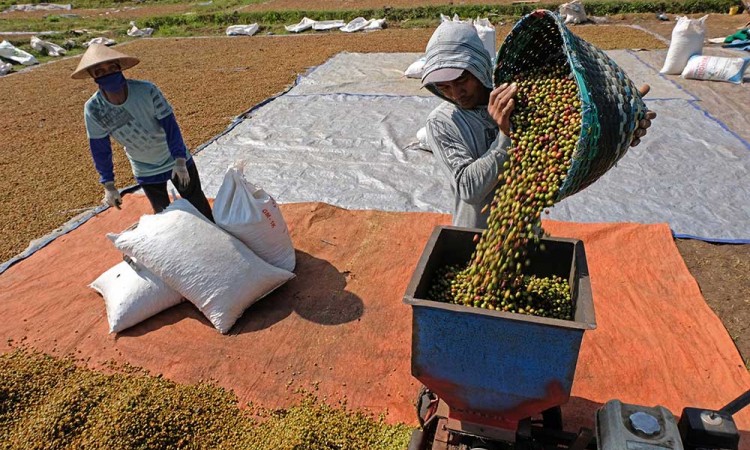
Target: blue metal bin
(489, 366)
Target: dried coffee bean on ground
(53, 403)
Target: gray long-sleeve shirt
(467, 142)
(470, 147)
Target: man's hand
(112, 195)
(180, 172)
(644, 123)
(501, 105)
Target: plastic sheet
(39, 7)
(688, 172)
(355, 25)
(134, 31)
(50, 48)
(242, 30)
(346, 150)
(5, 68)
(100, 40)
(304, 24)
(344, 136)
(323, 25)
(341, 324)
(366, 74)
(9, 51)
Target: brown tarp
(341, 324)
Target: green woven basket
(611, 105)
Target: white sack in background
(375, 24)
(50, 48)
(100, 40)
(133, 295)
(209, 267)
(323, 25)
(687, 41)
(573, 12)
(304, 24)
(134, 31)
(422, 138)
(444, 18)
(357, 24)
(248, 213)
(486, 32)
(8, 51)
(716, 68)
(5, 68)
(242, 30)
(416, 68)
(362, 24)
(39, 7)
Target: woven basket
(611, 105)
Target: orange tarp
(341, 324)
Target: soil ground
(48, 175)
(124, 12)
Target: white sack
(242, 30)
(422, 138)
(8, 51)
(323, 25)
(209, 267)
(357, 24)
(687, 41)
(573, 12)
(716, 68)
(50, 48)
(39, 7)
(486, 32)
(375, 24)
(132, 295)
(100, 40)
(5, 68)
(416, 68)
(248, 213)
(304, 24)
(444, 18)
(134, 31)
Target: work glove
(180, 172)
(112, 195)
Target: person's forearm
(175, 142)
(101, 152)
(479, 178)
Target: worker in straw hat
(468, 133)
(136, 114)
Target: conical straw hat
(98, 53)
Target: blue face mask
(114, 82)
